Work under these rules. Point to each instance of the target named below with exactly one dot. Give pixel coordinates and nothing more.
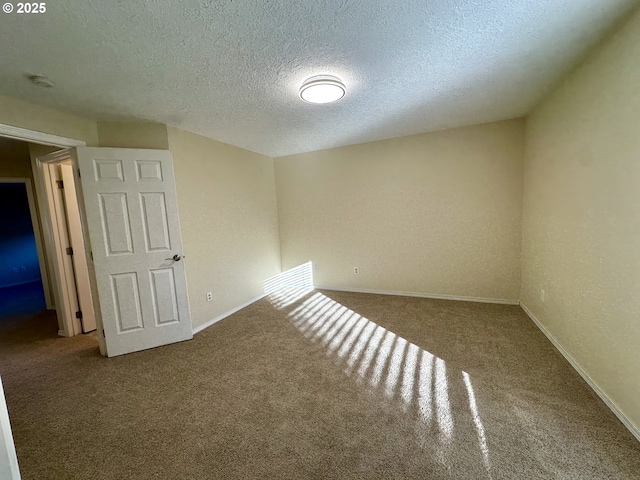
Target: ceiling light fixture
(322, 89)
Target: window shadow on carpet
(385, 362)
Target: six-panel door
(134, 229)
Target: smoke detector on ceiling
(41, 81)
(322, 89)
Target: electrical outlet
(542, 295)
(316, 267)
(209, 296)
(356, 270)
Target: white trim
(626, 421)
(33, 211)
(436, 296)
(62, 155)
(68, 293)
(199, 328)
(49, 245)
(8, 459)
(42, 138)
(64, 290)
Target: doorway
(66, 242)
(128, 209)
(56, 229)
(21, 285)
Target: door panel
(154, 214)
(126, 301)
(134, 229)
(164, 295)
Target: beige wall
(15, 161)
(227, 205)
(41, 119)
(133, 135)
(436, 213)
(581, 229)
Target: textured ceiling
(230, 70)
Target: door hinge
(91, 253)
(103, 333)
(79, 176)
(79, 314)
(69, 250)
(60, 183)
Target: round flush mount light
(41, 81)
(322, 89)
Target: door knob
(176, 258)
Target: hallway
(21, 300)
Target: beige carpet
(326, 385)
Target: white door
(132, 217)
(79, 257)
(8, 461)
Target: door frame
(33, 212)
(54, 223)
(33, 136)
(52, 217)
(79, 258)
(40, 166)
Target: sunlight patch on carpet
(291, 285)
(384, 361)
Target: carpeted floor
(325, 385)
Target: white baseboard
(199, 328)
(635, 431)
(422, 295)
